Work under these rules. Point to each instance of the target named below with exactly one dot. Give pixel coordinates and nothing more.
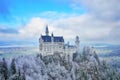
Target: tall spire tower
(77, 42)
(47, 31)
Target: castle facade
(50, 44)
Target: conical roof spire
(47, 30)
(52, 34)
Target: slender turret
(47, 31)
(77, 43)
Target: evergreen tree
(86, 52)
(18, 76)
(74, 56)
(96, 57)
(13, 67)
(19, 73)
(23, 77)
(5, 69)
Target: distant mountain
(17, 43)
(9, 52)
(114, 51)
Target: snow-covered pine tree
(13, 67)
(96, 57)
(3, 69)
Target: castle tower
(77, 43)
(52, 42)
(52, 37)
(47, 31)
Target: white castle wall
(48, 48)
(51, 47)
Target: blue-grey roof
(55, 38)
(46, 38)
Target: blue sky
(25, 20)
(13, 12)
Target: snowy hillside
(83, 66)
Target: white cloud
(33, 28)
(86, 26)
(104, 9)
(101, 23)
(104, 17)
(37, 25)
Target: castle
(50, 44)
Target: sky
(95, 21)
